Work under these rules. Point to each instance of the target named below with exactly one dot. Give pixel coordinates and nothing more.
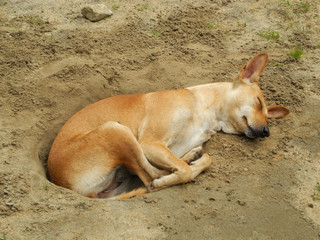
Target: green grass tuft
(144, 7)
(269, 35)
(115, 6)
(316, 195)
(277, 64)
(155, 33)
(302, 7)
(34, 19)
(296, 53)
(211, 25)
(3, 237)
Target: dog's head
(247, 110)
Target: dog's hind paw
(151, 186)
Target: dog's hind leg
(130, 154)
(97, 154)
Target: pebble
(9, 203)
(241, 203)
(150, 200)
(96, 12)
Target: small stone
(310, 205)
(9, 203)
(96, 12)
(150, 200)
(241, 203)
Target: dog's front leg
(200, 165)
(160, 156)
(198, 161)
(193, 154)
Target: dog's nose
(265, 131)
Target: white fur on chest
(192, 136)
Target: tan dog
(157, 136)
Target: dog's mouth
(250, 133)
(255, 133)
(262, 131)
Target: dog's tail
(133, 193)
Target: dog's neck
(212, 100)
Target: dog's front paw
(150, 187)
(198, 154)
(193, 154)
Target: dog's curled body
(157, 136)
(88, 150)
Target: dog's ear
(251, 72)
(277, 111)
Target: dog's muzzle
(258, 132)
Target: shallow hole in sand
(43, 152)
(126, 178)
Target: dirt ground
(53, 62)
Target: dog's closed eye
(245, 120)
(260, 103)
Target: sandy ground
(53, 62)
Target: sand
(53, 62)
